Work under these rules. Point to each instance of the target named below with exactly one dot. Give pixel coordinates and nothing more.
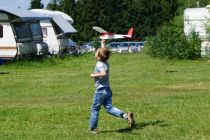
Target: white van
(56, 32)
(20, 33)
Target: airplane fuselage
(113, 36)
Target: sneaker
(94, 131)
(131, 120)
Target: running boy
(103, 93)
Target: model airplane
(107, 35)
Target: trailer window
(44, 31)
(35, 29)
(22, 31)
(1, 31)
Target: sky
(25, 4)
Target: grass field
(50, 100)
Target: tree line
(146, 16)
(150, 19)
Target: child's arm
(100, 74)
(103, 43)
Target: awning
(24, 15)
(65, 26)
(61, 19)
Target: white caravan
(20, 33)
(55, 32)
(196, 19)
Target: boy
(103, 93)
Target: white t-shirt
(102, 81)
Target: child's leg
(97, 102)
(117, 112)
(111, 109)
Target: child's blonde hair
(103, 54)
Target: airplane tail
(130, 32)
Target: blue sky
(25, 4)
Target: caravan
(20, 33)
(56, 32)
(197, 20)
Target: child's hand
(103, 43)
(92, 75)
(100, 74)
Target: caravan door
(8, 47)
(49, 36)
(42, 48)
(25, 43)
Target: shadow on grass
(4, 72)
(142, 125)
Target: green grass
(51, 99)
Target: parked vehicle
(128, 47)
(87, 47)
(56, 31)
(140, 45)
(197, 20)
(113, 46)
(132, 47)
(123, 48)
(20, 33)
(73, 47)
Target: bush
(170, 42)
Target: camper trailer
(196, 20)
(20, 33)
(56, 32)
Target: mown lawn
(51, 99)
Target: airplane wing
(100, 30)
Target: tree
(146, 16)
(68, 6)
(170, 42)
(183, 4)
(54, 5)
(36, 4)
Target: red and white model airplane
(107, 35)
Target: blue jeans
(102, 96)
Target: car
(73, 49)
(132, 47)
(123, 48)
(140, 45)
(87, 47)
(113, 46)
